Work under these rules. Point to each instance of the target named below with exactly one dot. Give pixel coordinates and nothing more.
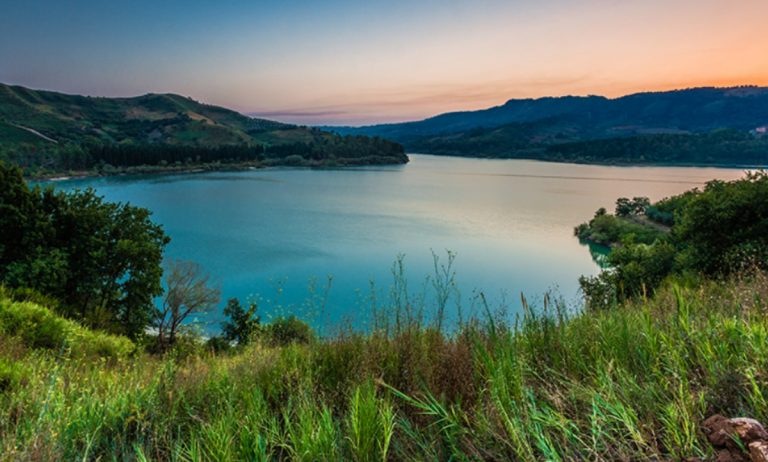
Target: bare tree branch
(188, 291)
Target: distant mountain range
(59, 131)
(699, 126)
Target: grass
(633, 383)
(37, 327)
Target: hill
(536, 128)
(60, 131)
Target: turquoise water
(272, 235)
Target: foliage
(38, 327)
(717, 231)
(11, 375)
(608, 229)
(370, 424)
(720, 147)
(242, 324)
(554, 141)
(725, 227)
(631, 383)
(657, 214)
(667, 211)
(100, 260)
(162, 131)
(635, 206)
(287, 330)
(639, 268)
(691, 126)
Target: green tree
(640, 268)
(639, 204)
(18, 213)
(242, 323)
(623, 207)
(725, 227)
(634, 206)
(101, 260)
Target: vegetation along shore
(55, 134)
(91, 369)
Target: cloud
(296, 113)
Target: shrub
(725, 227)
(39, 327)
(11, 374)
(286, 330)
(26, 294)
(218, 344)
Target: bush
(609, 230)
(39, 327)
(284, 331)
(640, 268)
(725, 227)
(26, 294)
(294, 160)
(599, 291)
(11, 374)
(218, 344)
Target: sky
(345, 62)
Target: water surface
(268, 234)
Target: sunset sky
(358, 62)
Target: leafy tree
(187, 292)
(242, 323)
(18, 213)
(101, 260)
(725, 227)
(639, 204)
(640, 268)
(607, 229)
(599, 291)
(634, 206)
(623, 207)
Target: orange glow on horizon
(345, 62)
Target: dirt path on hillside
(34, 132)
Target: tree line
(717, 147)
(75, 156)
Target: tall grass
(631, 383)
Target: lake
(276, 235)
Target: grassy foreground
(633, 383)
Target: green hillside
(699, 126)
(44, 129)
(566, 141)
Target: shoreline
(603, 164)
(258, 165)
(196, 168)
